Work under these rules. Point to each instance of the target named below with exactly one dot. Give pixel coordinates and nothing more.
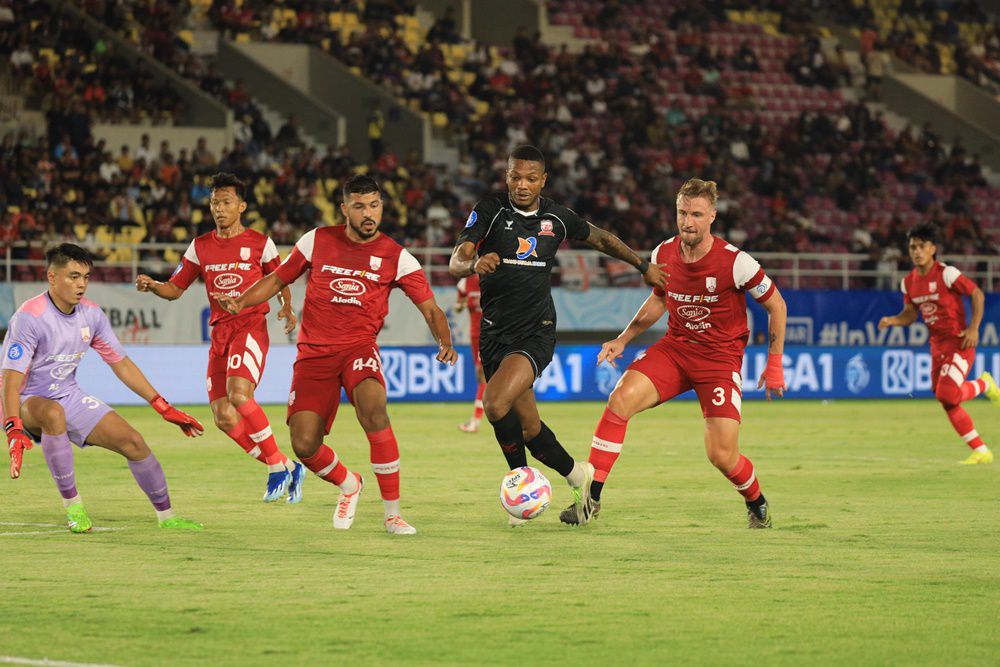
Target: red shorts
(675, 367)
(239, 349)
(951, 364)
(475, 349)
(320, 372)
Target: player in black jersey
(511, 241)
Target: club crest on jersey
(526, 247)
(85, 334)
(710, 283)
(244, 254)
(933, 285)
(375, 263)
(546, 228)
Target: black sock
(547, 449)
(595, 490)
(508, 433)
(757, 506)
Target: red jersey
(938, 296)
(706, 300)
(347, 296)
(229, 265)
(468, 293)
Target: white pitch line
(33, 525)
(45, 662)
(56, 529)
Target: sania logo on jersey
(244, 254)
(710, 283)
(526, 247)
(546, 228)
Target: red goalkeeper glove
(17, 442)
(773, 377)
(188, 424)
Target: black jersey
(517, 298)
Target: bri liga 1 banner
(413, 374)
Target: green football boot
(177, 523)
(78, 519)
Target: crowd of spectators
(670, 91)
(55, 60)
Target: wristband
(774, 370)
(159, 404)
(643, 266)
(12, 424)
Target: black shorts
(538, 348)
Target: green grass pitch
(884, 551)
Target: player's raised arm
(17, 440)
(259, 292)
(164, 290)
(773, 377)
(612, 246)
(648, 314)
(135, 379)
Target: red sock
(385, 462)
(607, 443)
(744, 479)
(477, 411)
(972, 388)
(326, 464)
(242, 438)
(962, 422)
(259, 430)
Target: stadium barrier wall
(413, 374)
(815, 317)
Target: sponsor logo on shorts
(694, 313)
(15, 351)
(228, 280)
(348, 286)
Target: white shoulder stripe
(305, 244)
(950, 275)
(406, 264)
(191, 254)
(270, 251)
(492, 221)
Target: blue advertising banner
(412, 373)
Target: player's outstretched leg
(307, 430)
(951, 394)
(115, 434)
(721, 445)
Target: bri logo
(526, 247)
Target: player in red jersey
(352, 268)
(232, 258)
(468, 299)
(936, 290)
(702, 350)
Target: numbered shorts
(320, 373)
(538, 348)
(83, 412)
(715, 377)
(951, 364)
(239, 349)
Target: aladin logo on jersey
(228, 280)
(375, 263)
(85, 334)
(710, 283)
(546, 228)
(348, 286)
(694, 313)
(526, 247)
(244, 254)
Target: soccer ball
(525, 492)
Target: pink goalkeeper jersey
(47, 345)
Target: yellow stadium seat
(80, 231)
(439, 119)
(171, 256)
(242, 38)
(335, 20)
(180, 234)
(187, 36)
(197, 216)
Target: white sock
(163, 515)
(980, 449)
(350, 485)
(391, 508)
(72, 501)
(578, 475)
